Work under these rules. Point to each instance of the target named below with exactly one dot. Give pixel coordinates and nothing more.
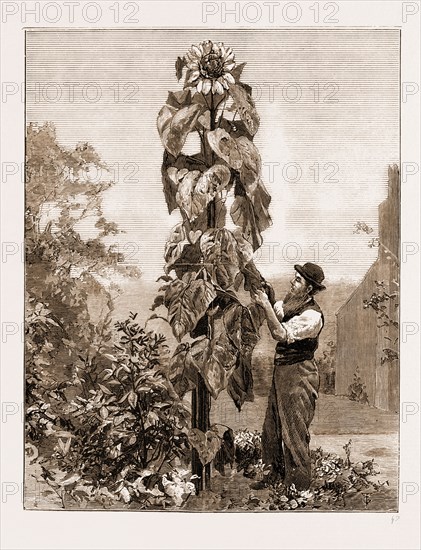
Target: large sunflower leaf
(175, 125)
(244, 104)
(253, 279)
(236, 72)
(258, 315)
(206, 444)
(173, 290)
(179, 99)
(236, 128)
(179, 66)
(217, 362)
(188, 261)
(183, 370)
(242, 214)
(187, 303)
(202, 327)
(244, 248)
(195, 190)
(225, 147)
(240, 383)
(249, 211)
(175, 245)
(214, 180)
(251, 168)
(219, 249)
(240, 328)
(260, 199)
(192, 204)
(200, 224)
(170, 166)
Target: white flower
(210, 65)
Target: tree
(207, 264)
(68, 309)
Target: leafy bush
(126, 425)
(134, 410)
(357, 390)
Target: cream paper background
(70, 530)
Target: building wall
(389, 214)
(357, 339)
(361, 339)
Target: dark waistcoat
(300, 350)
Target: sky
(328, 102)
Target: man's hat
(312, 273)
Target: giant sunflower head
(210, 65)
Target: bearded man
(295, 323)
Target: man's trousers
(286, 437)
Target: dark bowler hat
(312, 273)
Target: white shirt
(306, 325)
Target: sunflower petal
(196, 50)
(199, 86)
(207, 46)
(229, 78)
(191, 57)
(194, 76)
(223, 82)
(229, 66)
(217, 87)
(207, 84)
(230, 57)
(193, 65)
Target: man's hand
(260, 297)
(268, 288)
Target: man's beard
(294, 300)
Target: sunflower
(209, 65)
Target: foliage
(336, 483)
(357, 390)
(103, 422)
(362, 227)
(125, 425)
(248, 452)
(68, 309)
(384, 302)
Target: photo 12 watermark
(70, 12)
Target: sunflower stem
(222, 113)
(206, 101)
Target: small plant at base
(357, 390)
(248, 452)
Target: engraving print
(212, 268)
